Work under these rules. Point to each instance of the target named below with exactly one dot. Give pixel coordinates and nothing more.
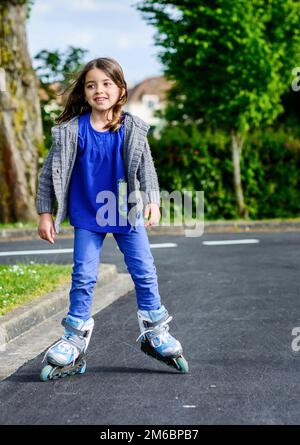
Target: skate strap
(162, 322)
(153, 324)
(72, 329)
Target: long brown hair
(75, 102)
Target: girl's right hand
(46, 229)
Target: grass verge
(23, 282)
(26, 225)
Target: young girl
(97, 152)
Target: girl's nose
(99, 90)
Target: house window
(150, 101)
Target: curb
(209, 227)
(252, 226)
(25, 317)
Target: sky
(107, 28)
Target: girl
(97, 151)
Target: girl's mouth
(100, 100)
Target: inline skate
(156, 340)
(67, 356)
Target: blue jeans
(138, 258)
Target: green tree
(21, 132)
(56, 67)
(231, 61)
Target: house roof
(152, 85)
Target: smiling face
(100, 91)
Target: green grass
(26, 225)
(23, 282)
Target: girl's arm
(46, 228)
(45, 193)
(45, 199)
(149, 185)
(147, 177)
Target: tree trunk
(20, 118)
(237, 145)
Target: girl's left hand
(153, 210)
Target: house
(146, 97)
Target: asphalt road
(234, 309)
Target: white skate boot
(156, 340)
(66, 357)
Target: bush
(187, 158)
(271, 168)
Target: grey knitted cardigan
(139, 168)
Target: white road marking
(35, 252)
(228, 242)
(159, 245)
(51, 251)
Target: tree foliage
(56, 66)
(59, 66)
(232, 60)
(193, 159)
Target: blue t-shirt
(98, 190)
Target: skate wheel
(183, 365)
(46, 371)
(83, 369)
